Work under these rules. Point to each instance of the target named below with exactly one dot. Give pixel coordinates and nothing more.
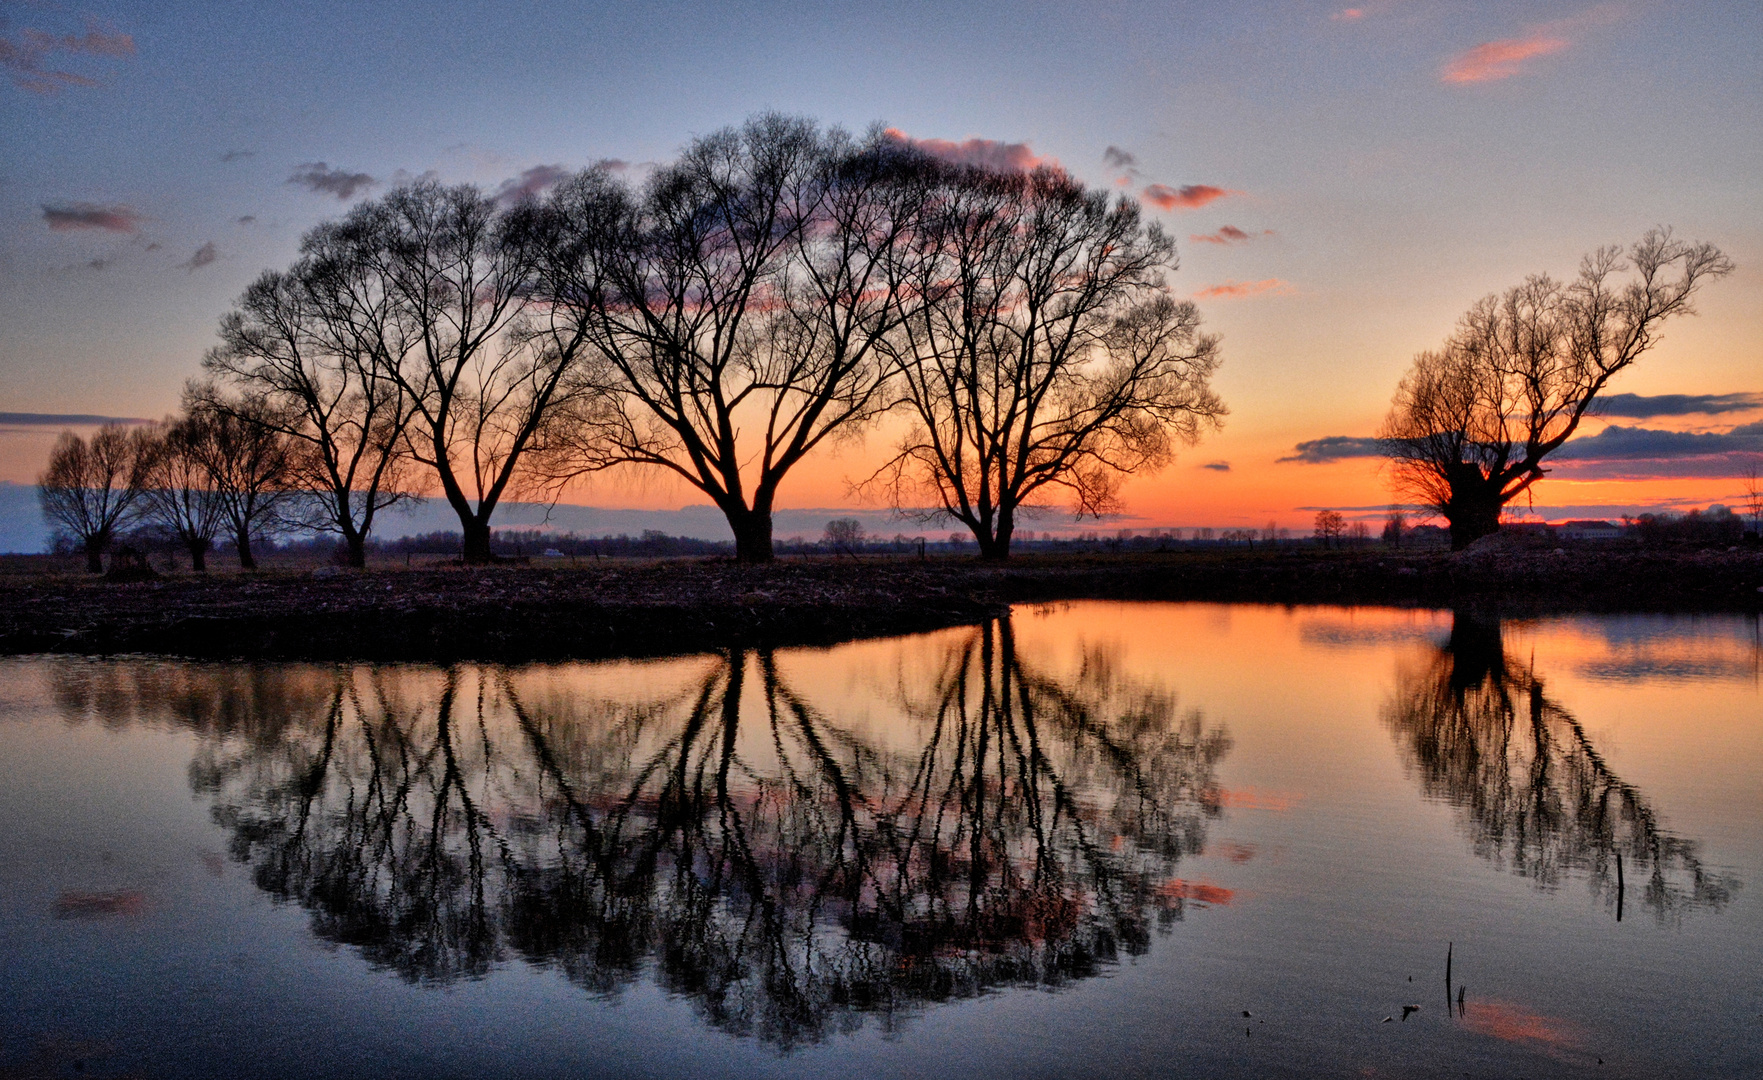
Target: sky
(1343, 182)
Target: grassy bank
(639, 608)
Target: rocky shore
(518, 613)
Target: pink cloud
(983, 153)
(1186, 197)
(23, 57)
(1348, 14)
(531, 183)
(76, 216)
(1235, 290)
(1229, 234)
(1496, 60)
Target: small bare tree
(92, 488)
(250, 464)
(178, 497)
(1753, 499)
(1329, 527)
(1395, 527)
(1044, 353)
(844, 535)
(1472, 422)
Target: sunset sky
(1342, 181)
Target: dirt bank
(631, 608)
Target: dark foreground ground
(644, 608)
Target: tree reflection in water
(788, 873)
(1486, 736)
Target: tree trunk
(95, 554)
(476, 549)
(247, 561)
(752, 529)
(1473, 512)
(994, 548)
(356, 545)
(198, 555)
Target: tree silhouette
(1044, 353)
(1471, 423)
(737, 304)
(92, 488)
(1538, 798)
(791, 875)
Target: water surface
(1094, 839)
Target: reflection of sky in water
(862, 859)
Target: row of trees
(778, 288)
(206, 474)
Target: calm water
(1083, 842)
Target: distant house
(1589, 530)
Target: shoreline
(638, 608)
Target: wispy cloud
(248, 219)
(1496, 60)
(1217, 466)
(1229, 234)
(984, 153)
(1351, 14)
(1233, 290)
(34, 419)
(1186, 197)
(23, 57)
(237, 155)
(531, 183)
(73, 217)
(320, 178)
(1336, 448)
(204, 256)
(1646, 406)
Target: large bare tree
(734, 306)
(1045, 353)
(483, 366)
(1472, 422)
(92, 488)
(303, 354)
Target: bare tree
(1045, 354)
(1329, 528)
(1395, 527)
(1472, 422)
(249, 461)
(844, 535)
(304, 351)
(736, 306)
(441, 282)
(178, 497)
(1753, 498)
(91, 489)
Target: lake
(1093, 839)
